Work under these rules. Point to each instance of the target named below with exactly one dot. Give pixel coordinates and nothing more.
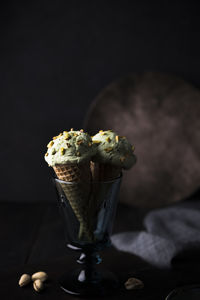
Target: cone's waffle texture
(76, 172)
(100, 173)
(104, 172)
(78, 192)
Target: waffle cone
(104, 172)
(78, 193)
(100, 173)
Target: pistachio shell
(24, 280)
(134, 284)
(38, 285)
(40, 275)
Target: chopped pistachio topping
(108, 139)
(102, 132)
(67, 136)
(62, 151)
(122, 158)
(109, 149)
(50, 144)
(96, 142)
(79, 142)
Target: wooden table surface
(32, 239)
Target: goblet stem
(88, 272)
(87, 281)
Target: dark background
(56, 56)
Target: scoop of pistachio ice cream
(69, 147)
(113, 149)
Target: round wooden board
(160, 115)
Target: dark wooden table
(32, 239)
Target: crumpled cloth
(168, 232)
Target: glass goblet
(88, 211)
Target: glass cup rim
(93, 181)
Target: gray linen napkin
(168, 232)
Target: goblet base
(105, 284)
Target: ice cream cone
(113, 154)
(104, 172)
(101, 173)
(78, 193)
(69, 154)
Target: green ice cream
(70, 147)
(113, 149)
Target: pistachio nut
(38, 285)
(40, 275)
(24, 280)
(134, 284)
